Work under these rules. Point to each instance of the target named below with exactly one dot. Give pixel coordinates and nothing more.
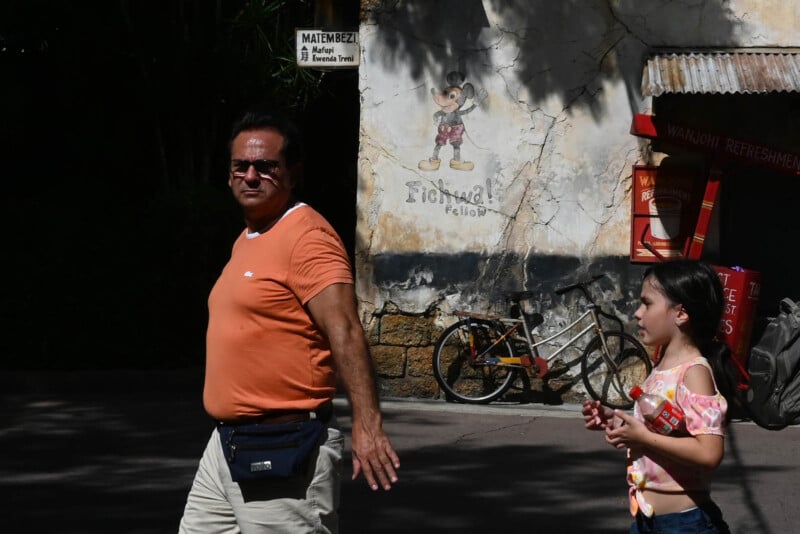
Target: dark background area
(116, 216)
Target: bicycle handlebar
(580, 285)
(516, 296)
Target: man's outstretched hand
(374, 455)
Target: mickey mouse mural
(450, 127)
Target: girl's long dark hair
(695, 285)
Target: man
(282, 325)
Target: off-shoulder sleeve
(705, 414)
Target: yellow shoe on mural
(461, 165)
(429, 165)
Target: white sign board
(317, 48)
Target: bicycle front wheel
(609, 377)
(465, 362)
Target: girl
(669, 476)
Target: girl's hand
(596, 416)
(628, 433)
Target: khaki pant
(217, 505)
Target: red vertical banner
(741, 288)
(704, 217)
(665, 204)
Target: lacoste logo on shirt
(248, 274)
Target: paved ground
(113, 452)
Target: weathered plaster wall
(546, 195)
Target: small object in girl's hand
(661, 415)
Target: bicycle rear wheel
(476, 381)
(610, 379)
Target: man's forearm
(354, 367)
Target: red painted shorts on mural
(449, 133)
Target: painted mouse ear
(455, 78)
(469, 90)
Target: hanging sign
(324, 49)
(666, 201)
(723, 146)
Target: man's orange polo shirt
(263, 350)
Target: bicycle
(478, 358)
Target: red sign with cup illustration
(666, 201)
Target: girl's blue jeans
(706, 519)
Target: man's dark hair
(267, 119)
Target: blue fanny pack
(259, 451)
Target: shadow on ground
(105, 452)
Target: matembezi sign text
(325, 49)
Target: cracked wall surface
(547, 198)
(549, 139)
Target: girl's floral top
(704, 414)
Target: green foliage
(261, 37)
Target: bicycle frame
(594, 325)
(478, 358)
(516, 361)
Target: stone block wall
(402, 358)
(402, 347)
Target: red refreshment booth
(671, 213)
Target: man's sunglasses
(264, 167)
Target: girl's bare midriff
(672, 502)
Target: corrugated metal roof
(749, 71)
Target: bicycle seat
(531, 319)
